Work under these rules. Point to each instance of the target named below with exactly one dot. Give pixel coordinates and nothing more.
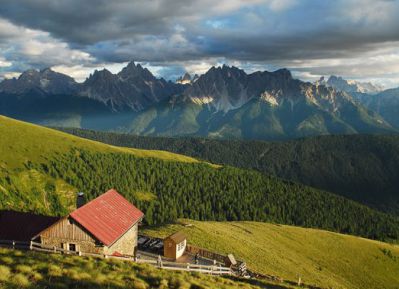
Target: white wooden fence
(213, 270)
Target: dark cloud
(147, 30)
(164, 31)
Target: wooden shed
(174, 246)
(107, 225)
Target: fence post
(31, 245)
(55, 249)
(13, 245)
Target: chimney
(80, 200)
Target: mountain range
(374, 97)
(224, 102)
(350, 86)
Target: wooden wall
(67, 231)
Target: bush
(24, 269)
(20, 280)
(4, 273)
(6, 260)
(139, 284)
(54, 271)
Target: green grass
(40, 270)
(29, 189)
(29, 142)
(322, 258)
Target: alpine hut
(107, 225)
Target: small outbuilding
(174, 246)
(107, 225)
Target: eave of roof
(177, 237)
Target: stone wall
(126, 244)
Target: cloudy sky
(358, 39)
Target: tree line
(167, 190)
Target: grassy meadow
(33, 270)
(321, 258)
(29, 142)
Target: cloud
(347, 37)
(24, 48)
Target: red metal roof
(107, 217)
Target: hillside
(321, 258)
(39, 270)
(364, 168)
(42, 169)
(385, 103)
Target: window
(72, 247)
(180, 246)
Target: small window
(72, 247)
(70, 222)
(180, 246)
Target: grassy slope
(19, 134)
(36, 144)
(322, 258)
(62, 164)
(39, 270)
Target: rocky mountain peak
(284, 73)
(352, 86)
(44, 81)
(29, 75)
(133, 70)
(134, 87)
(185, 79)
(101, 74)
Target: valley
(363, 168)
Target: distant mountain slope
(228, 103)
(350, 86)
(373, 97)
(385, 103)
(45, 81)
(225, 102)
(320, 258)
(41, 170)
(364, 168)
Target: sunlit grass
(63, 271)
(320, 257)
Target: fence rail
(34, 246)
(206, 253)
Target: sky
(356, 39)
